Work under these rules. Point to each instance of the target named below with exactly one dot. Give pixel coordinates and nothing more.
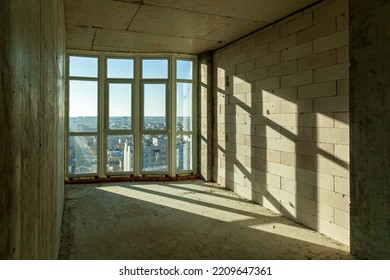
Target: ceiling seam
(93, 40)
(164, 35)
(147, 33)
(273, 23)
(139, 7)
(202, 13)
(136, 2)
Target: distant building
(155, 154)
(183, 154)
(127, 158)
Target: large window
(130, 115)
(83, 117)
(118, 129)
(184, 117)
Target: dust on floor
(186, 220)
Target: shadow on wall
(283, 176)
(282, 131)
(181, 221)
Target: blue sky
(83, 98)
(83, 94)
(154, 100)
(120, 100)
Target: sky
(119, 100)
(154, 100)
(83, 94)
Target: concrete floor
(186, 220)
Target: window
(83, 116)
(130, 115)
(184, 115)
(118, 131)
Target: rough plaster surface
(187, 220)
(31, 121)
(370, 129)
(190, 27)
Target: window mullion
(172, 165)
(101, 119)
(137, 117)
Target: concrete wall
(281, 134)
(370, 129)
(32, 46)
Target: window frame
(106, 100)
(194, 131)
(137, 130)
(70, 134)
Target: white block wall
(281, 133)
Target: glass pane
(184, 107)
(155, 68)
(119, 108)
(120, 153)
(83, 100)
(155, 106)
(155, 153)
(184, 152)
(120, 68)
(184, 69)
(83, 66)
(82, 154)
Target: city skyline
(83, 101)
(90, 124)
(83, 94)
(83, 156)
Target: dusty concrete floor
(190, 220)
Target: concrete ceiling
(183, 26)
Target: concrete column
(32, 64)
(370, 128)
(205, 101)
